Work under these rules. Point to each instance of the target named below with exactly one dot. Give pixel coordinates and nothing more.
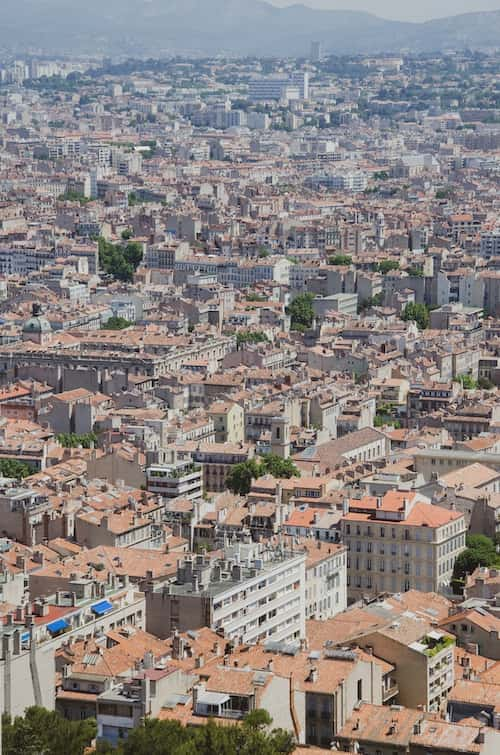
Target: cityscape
(249, 385)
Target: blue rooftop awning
(102, 607)
(57, 626)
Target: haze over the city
(402, 11)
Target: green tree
(278, 467)
(240, 476)
(116, 323)
(156, 737)
(301, 312)
(120, 260)
(467, 382)
(15, 469)
(44, 732)
(340, 259)
(480, 551)
(74, 440)
(250, 336)
(373, 301)
(387, 265)
(415, 271)
(74, 196)
(252, 296)
(418, 313)
(485, 383)
(258, 719)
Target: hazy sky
(407, 10)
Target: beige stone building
(229, 421)
(422, 658)
(400, 542)
(380, 730)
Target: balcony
(389, 693)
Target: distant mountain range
(242, 27)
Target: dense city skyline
(249, 380)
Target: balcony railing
(390, 692)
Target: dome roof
(37, 322)
(37, 325)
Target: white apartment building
(253, 594)
(326, 579)
(350, 181)
(400, 542)
(180, 480)
(290, 86)
(490, 243)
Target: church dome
(37, 322)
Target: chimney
(393, 727)
(19, 614)
(148, 659)
(379, 502)
(270, 664)
(196, 692)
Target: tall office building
(276, 87)
(316, 51)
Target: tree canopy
(15, 468)
(240, 477)
(340, 259)
(480, 551)
(250, 336)
(75, 440)
(301, 312)
(387, 265)
(156, 737)
(418, 313)
(120, 260)
(44, 732)
(116, 323)
(466, 381)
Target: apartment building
(122, 707)
(251, 594)
(229, 423)
(216, 460)
(326, 579)
(398, 542)
(180, 480)
(422, 657)
(393, 730)
(31, 635)
(477, 630)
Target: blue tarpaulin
(102, 607)
(57, 626)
